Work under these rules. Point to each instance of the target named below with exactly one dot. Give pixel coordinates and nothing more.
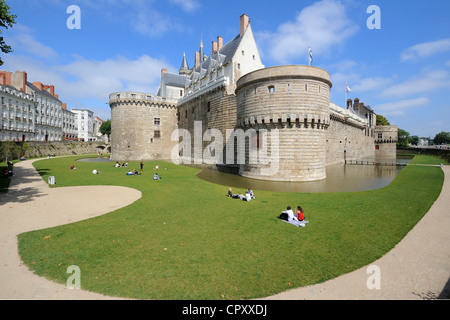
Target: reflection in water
(340, 178)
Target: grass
(184, 239)
(424, 159)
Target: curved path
(417, 268)
(31, 204)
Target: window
(181, 93)
(254, 57)
(271, 89)
(185, 113)
(157, 121)
(209, 106)
(380, 136)
(377, 147)
(242, 52)
(239, 66)
(157, 134)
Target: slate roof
(43, 92)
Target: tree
(105, 128)
(442, 138)
(382, 121)
(414, 140)
(6, 20)
(8, 149)
(403, 138)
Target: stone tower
(295, 102)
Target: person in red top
(300, 214)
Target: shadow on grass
(18, 191)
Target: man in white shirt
(290, 214)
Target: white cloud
(400, 108)
(321, 26)
(187, 5)
(424, 83)
(426, 49)
(85, 79)
(23, 37)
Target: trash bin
(51, 180)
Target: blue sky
(401, 70)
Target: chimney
(52, 89)
(197, 59)
(19, 80)
(64, 106)
(349, 103)
(5, 78)
(219, 43)
(214, 47)
(356, 104)
(38, 85)
(163, 72)
(244, 23)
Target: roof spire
(184, 65)
(202, 56)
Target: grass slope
(184, 239)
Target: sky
(394, 57)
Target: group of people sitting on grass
(133, 173)
(289, 215)
(118, 165)
(249, 195)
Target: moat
(340, 178)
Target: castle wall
(386, 138)
(215, 109)
(142, 126)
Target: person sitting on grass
(289, 214)
(300, 213)
(95, 171)
(129, 173)
(135, 172)
(156, 177)
(72, 167)
(250, 191)
(232, 195)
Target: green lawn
(184, 239)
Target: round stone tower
(289, 109)
(141, 126)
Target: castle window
(377, 147)
(209, 106)
(133, 96)
(185, 114)
(242, 52)
(157, 121)
(306, 87)
(239, 66)
(181, 93)
(271, 89)
(157, 134)
(380, 136)
(254, 57)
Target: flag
(310, 57)
(347, 89)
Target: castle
(228, 110)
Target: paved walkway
(417, 268)
(31, 204)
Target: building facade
(274, 123)
(17, 115)
(34, 112)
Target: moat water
(340, 178)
